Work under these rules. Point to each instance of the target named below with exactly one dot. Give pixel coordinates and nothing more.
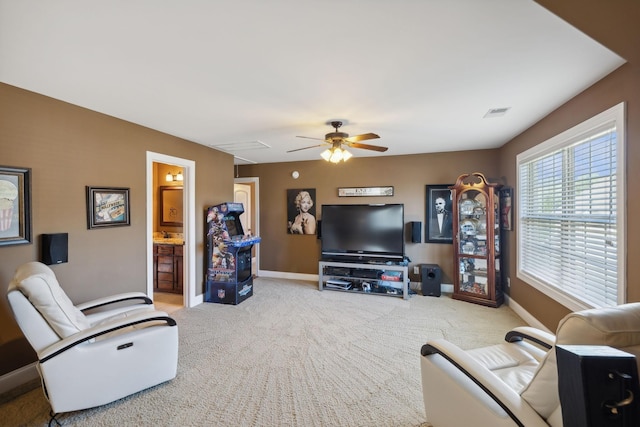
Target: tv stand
(369, 278)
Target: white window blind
(570, 224)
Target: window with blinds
(571, 214)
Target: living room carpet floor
(291, 355)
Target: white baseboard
(447, 289)
(199, 299)
(526, 316)
(18, 377)
(287, 275)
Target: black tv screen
(363, 232)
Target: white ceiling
(232, 73)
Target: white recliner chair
(96, 352)
(516, 383)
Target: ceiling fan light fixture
(336, 155)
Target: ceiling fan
(337, 140)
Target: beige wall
(613, 24)
(68, 148)
(409, 176)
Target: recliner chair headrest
(39, 284)
(617, 327)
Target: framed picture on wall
(107, 207)
(439, 221)
(15, 205)
(301, 211)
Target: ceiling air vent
(497, 112)
(235, 147)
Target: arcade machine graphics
(229, 278)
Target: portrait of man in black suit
(440, 218)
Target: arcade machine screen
(233, 226)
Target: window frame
(615, 114)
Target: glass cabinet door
(473, 276)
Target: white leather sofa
(93, 353)
(516, 383)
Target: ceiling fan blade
(308, 137)
(367, 146)
(298, 149)
(363, 137)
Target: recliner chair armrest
(103, 329)
(537, 336)
(112, 299)
(508, 399)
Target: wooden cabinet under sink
(167, 268)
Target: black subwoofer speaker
(54, 248)
(416, 232)
(431, 276)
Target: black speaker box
(54, 248)
(431, 275)
(319, 229)
(592, 380)
(416, 232)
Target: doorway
(246, 191)
(190, 298)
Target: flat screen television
(362, 232)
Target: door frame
(189, 296)
(255, 185)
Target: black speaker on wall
(416, 232)
(54, 248)
(319, 229)
(431, 275)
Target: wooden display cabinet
(476, 240)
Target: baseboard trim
(526, 316)
(18, 377)
(445, 288)
(287, 275)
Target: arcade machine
(229, 279)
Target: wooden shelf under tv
(358, 274)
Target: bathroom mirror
(171, 212)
